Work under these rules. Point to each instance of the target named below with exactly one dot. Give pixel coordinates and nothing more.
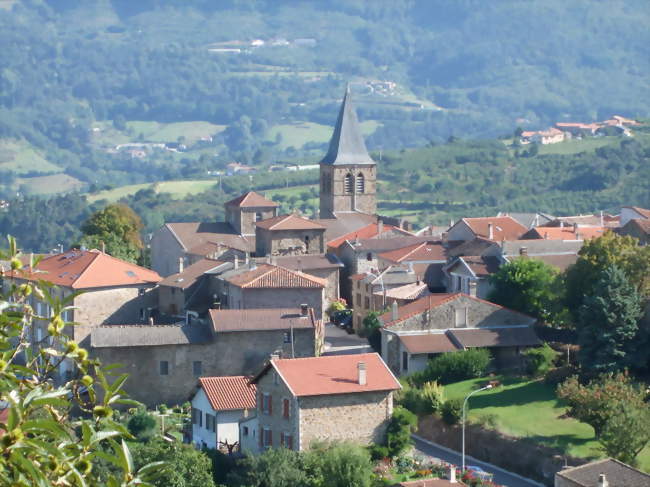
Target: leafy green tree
(187, 466)
(398, 435)
(608, 323)
(339, 465)
(596, 402)
(118, 228)
(370, 330)
(452, 411)
(598, 254)
(142, 425)
(277, 467)
(526, 285)
(44, 443)
(540, 359)
(626, 433)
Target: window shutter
(270, 438)
(290, 442)
(281, 439)
(270, 398)
(286, 408)
(261, 437)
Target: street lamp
(489, 386)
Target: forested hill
(79, 77)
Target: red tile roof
(228, 393)
(83, 269)
(190, 274)
(335, 374)
(503, 227)
(428, 343)
(430, 483)
(289, 222)
(252, 200)
(228, 320)
(271, 276)
(565, 233)
(369, 231)
(425, 251)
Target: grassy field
(20, 157)
(177, 189)
(524, 408)
(299, 133)
(55, 183)
(574, 146)
(154, 132)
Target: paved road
(501, 477)
(338, 342)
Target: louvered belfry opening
(361, 183)
(348, 184)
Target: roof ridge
(282, 219)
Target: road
(501, 477)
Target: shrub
(398, 434)
(488, 421)
(452, 411)
(540, 360)
(456, 366)
(404, 464)
(336, 305)
(432, 397)
(142, 425)
(378, 452)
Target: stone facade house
(111, 291)
(335, 398)
(492, 228)
(469, 274)
(638, 228)
(244, 212)
(429, 258)
(289, 235)
(165, 361)
(217, 407)
(441, 323)
(602, 473)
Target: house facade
(301, 401)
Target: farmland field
(54, 183)
(20, 157)
(177, 189)
(300, 133)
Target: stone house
(440, 323)
(265, 285)
(602, 473)
(165, 361)
(217, 407)
(289, 235)
(334, 398)
(111, 291)
(244, 212)
(638, 228)
(492, 228)
(631, 212)
(469, 274)
(401, 295)
(427, 258)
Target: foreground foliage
(43, 443)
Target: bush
(398, 435)
(432, 397)
(142, 425)
(540, 360)
(453, 367)
(378, 452)
(557, 376)
(452, 411)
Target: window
(164, 367)
(140, 292)
(357, 301)
(405, 361)
(210, 423)
(307, 242)
(197, 417)
(267, 438)
(286, 441)
(276, 378)
(348, 184)
(369, 256)
(258, 216)
(361, 183)
(287, 337)
(366, 302)
(461, 317)
(267, 405)
(197, 368)
(245, 430)
(143, 314)
(173, 291)
(285, 408)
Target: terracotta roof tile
(345, 223)
(229, 320)
(368, 231)
(335, 374)
(289, 222)
(192, 234)
(229, 393)
(503, 227)
(252, 200)
(271, 276)
(564, 233)
(428, 343)
(425, 251)
(84, 269)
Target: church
(348, 202)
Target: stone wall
(360, 417)
(279, 298)
(171, 300)
(289, 242)
(165, 252)
(248, 218)
(333, 197)
(236, 353)
(272, 384)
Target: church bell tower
(348, 174)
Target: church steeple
(347, 145)
(347, 172)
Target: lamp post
(489, 386)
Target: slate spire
(347, 145)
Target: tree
(187, 466)
(339, 465)
(118, 228)
(596, 402)
(608, 323)
(277, 467)
(142, 425)
(370, 330)
(540, 359)
(43, 443)
(600, 253)
(626, 433)
(398, 435)
(526, 285)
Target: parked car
(479, 472)
(343, 319)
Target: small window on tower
(348, 184)
(361, 183)
(258, 217)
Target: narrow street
(338, 342)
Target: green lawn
(153, 132)
(525, 408)
(574, 146)
(297, 134)
(20, 157)
(177, 189)
(54, 183)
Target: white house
(217, 407)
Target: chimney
(104, 246)
(394, 311)
(452, 474)
(472, 288)
(236, 262)
(274, 356)
(151, 320)
(304, 309)
(602, 481)
(361, 369)
(380, 228)
(523, 250)
(181, 264)
(561, 223)
(490, 231)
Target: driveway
(501, 477)
(338, 342)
